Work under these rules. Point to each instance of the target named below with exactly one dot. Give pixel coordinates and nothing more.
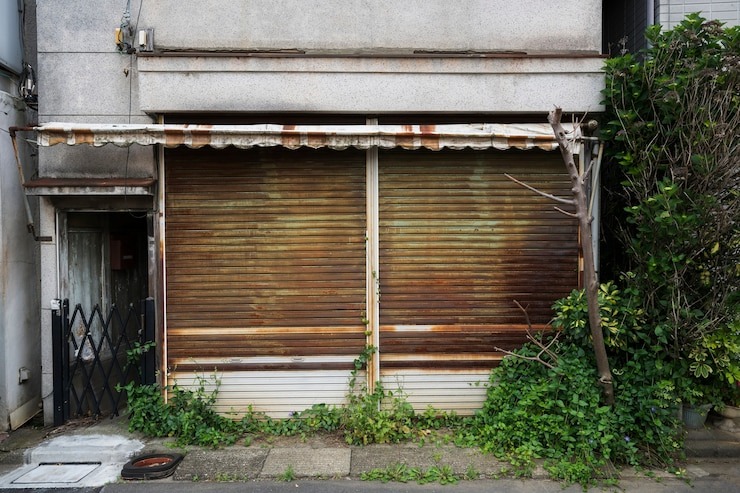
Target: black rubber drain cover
(151, 466)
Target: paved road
(712, 484)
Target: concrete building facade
(360, 199)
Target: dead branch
(569, 214)
(591, 280)
(540, 192)
(583, 215)
(544, 348)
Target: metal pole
(65, 359)
(149, 362)
(57, 344)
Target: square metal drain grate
(67, 472)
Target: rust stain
(84, 137)
(173, 137)
(289, 137)
(55, 138)
(344, 331)
(201, 136)
(316, 139)
(288, 279)
(456, 249)
(518, 141)
(406, 137)
(429, 138)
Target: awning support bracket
(30, 226)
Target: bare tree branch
(544, 348)
(537, 358)
(570, 214)
(540, 192)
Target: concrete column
(49, 291)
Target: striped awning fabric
(435, 137)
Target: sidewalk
(710, 451)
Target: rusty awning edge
(435, 137)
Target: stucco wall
(19, 320)
(381, 24)
(83, 78)
(535, 25)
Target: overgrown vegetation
(672, 333)
(673, 119)
(380, 416)
(557, 415)
(531, 412)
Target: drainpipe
(29, 216)
(595, 204)
(650, 17)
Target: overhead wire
(127, 18)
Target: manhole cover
(57, 473)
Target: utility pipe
(29, 216)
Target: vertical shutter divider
(373, 264)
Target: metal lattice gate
(91, 357)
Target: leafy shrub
(673, 115)
(622, 316)
(378, 417)
(534, 412)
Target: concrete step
(72, 461)
(104, 449)
(719, 439)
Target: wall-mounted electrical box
(145, 40)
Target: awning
(435, 137)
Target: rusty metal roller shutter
(265, 258)
(459, 242)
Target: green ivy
(189, 416)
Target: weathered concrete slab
(232, 464)
(59, 473)
(712, 442)
(84, 448)
(307, 462)
(461, 460)
(73, 461)
(33, 476)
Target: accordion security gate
(91, 357)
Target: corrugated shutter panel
(459, 242)
(265, 262)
